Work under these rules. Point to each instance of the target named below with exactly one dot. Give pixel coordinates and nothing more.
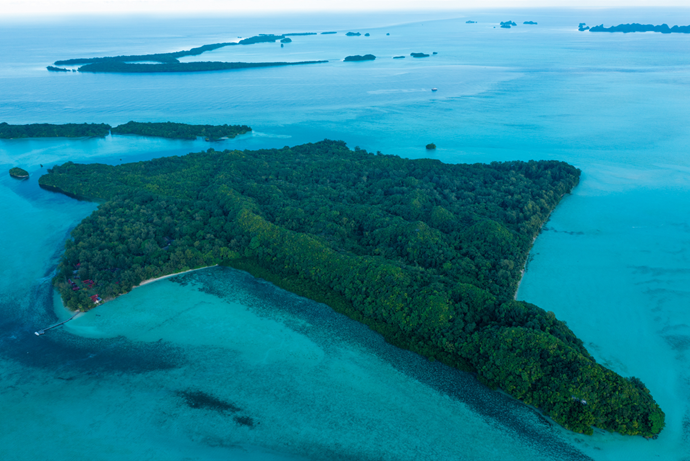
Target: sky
(66, 7)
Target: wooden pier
(42, 332)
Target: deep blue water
(304, 382)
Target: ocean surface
(217, 365)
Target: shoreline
(146, 282)
(524, 266)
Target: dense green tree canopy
(426, 253)
(46, 130)
(181, 130)
(19, 173)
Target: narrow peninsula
(428, 254)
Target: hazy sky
(43, 7)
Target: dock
(43, 331)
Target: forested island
(507, 24)
(366, 57)
(353, 34)
(203, 66)
(419, 55)
(171, 57)
(57, 69)
(627, 28)
(162, 130)
(427, 254)
(531, 23)
(169, 62)
(47, 130)
(172, 130)
(19, 173)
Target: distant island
(201, 66)
(328, 33)
(507, 24)
(530, 22)
(19, 173)
(428, 254)
(47, 130)
(367, 34)
(431, 146)
(169, 62)
(366, 57)
(353, 34)
(419, 55)
(163, 130)
(582, 27)
(470, 22)
(398, 57)
(298, 34)
(627, 28)
(181, 130)
(57, 69)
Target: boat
(434, 89)
(40, 332)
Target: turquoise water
(301, 382)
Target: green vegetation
(168, 62)
(431, 146)
(204, 66)
(427, 254)
(46, 130)
(181, 130)
(366, 57)
(169, 57)
(19, 173)
(634, 27)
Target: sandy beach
(145, 282)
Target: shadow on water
(330, 330)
